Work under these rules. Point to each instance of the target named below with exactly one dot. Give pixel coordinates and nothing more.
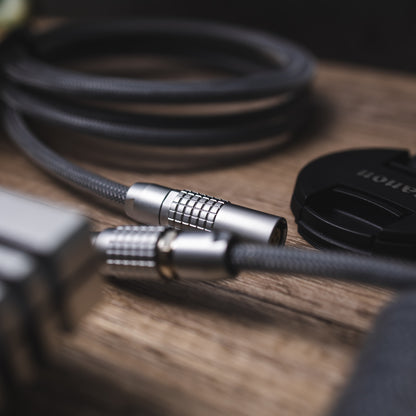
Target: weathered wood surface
(259, 345)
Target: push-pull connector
(186, 210)
(154, 252)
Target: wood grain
(260, 344)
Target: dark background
(380, 33)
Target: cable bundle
(258, 92)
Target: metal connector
(59, 240)
(159, 252)
(187, 210)
(48, 281)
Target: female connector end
(187, 210)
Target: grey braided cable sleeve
(269, 76)
(58, 166)
(346, 266)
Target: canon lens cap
(360, 200)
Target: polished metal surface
(187, 210)
(57, 235)
(59, 241)
(201, 256)
(193, 211)
(144, 201)
(251, 225)
(48, 280)
(130, 251)
(82, 292)
(23, 276)
(159, 252)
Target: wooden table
(258, 345)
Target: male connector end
(154, 252)
(187, 210)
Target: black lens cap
(361, 200)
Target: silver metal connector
(48, 280)
(159, 252)
(59, 239)
(186, 210)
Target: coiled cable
(281, 67)
(268, 76)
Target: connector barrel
(186, 210)
(130, 251)
(138, 252)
